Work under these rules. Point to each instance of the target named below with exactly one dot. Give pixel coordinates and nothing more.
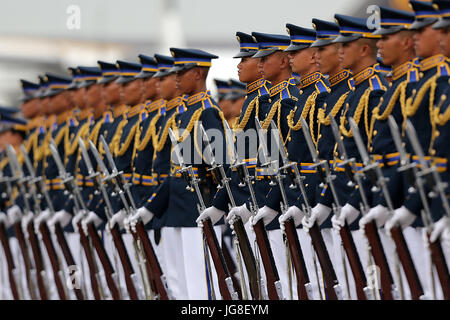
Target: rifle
(388, 288)
(238, 226)
(34, 184)
(318, 243)
(326, 178)
(154, 272)
(32, 238)
(110, 275)
(72, 190)
(30, 272)
(112, 180)
(375, 176)
(223, 274)
(13, 272)
(430, 176)
(304, 287)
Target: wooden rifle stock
(324, 260)
(408, 265)
(48, 243)
(438, 258)
(152, 261)
(218, 259)
(268, 260)
(104, 259)
(67, 254)
(248, 257)
(10, 262)
(125, 260)
(379, 256)
(232, 267)
(37, 255)
(26, 258)
(354, 261)
(95, 285)
(297, 258)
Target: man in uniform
(171, 198)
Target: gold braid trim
(334, 111)
(307, 108)
(59, 136)
(275, 107)
(120, 150)
(139, 144)
(237, 126)
(195, 117)
(411, 107)
(159, 143)
(399, 94)
(32, 141)
(441, 119)
(116, 138)
(71, 148)
(362, 107)
(95, 131)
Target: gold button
(375, 132)
(432, 152)
(301, 91)
(289, 139)
(390, 84)
(320, 136)
(421, 74)
(245, 97)
(370, 149)
(325, 105)
(437, 133)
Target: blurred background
(50, 36)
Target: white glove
(240, 211)
(402, 216)
(77, 218)
(293, 212)
(266, 214)
(61, 216)
(348, 213)
(439, 228)
(25, 221)
(4, 219)
(319, 213)
(212, 213)
(14, 214)
(118, 218)
(43, 217)
(142, 213)
(126, 223)
(446, 239)
(91, 217)
(379, 213)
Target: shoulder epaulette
(107, 117)
(285, 93)
(413, 75)
(207, 103)
(321, 87)
(443, 69)
(73, 122)
(351, 83)
(375, 83)
(143, 115)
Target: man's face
(60, 102)
(132, 92)
(168, 87)
(270, 66)
(150, 91)
(45, 105)
(444, 41)
(300, 60)
(185, 81)
(79, 97)
(111, 93)
(248, 70)
(327, 58)
(348, 54)
(93, 96)
(30, 108)
(426, 40)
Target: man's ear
(313, 55)
(284, 61)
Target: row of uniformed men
(345, 52)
